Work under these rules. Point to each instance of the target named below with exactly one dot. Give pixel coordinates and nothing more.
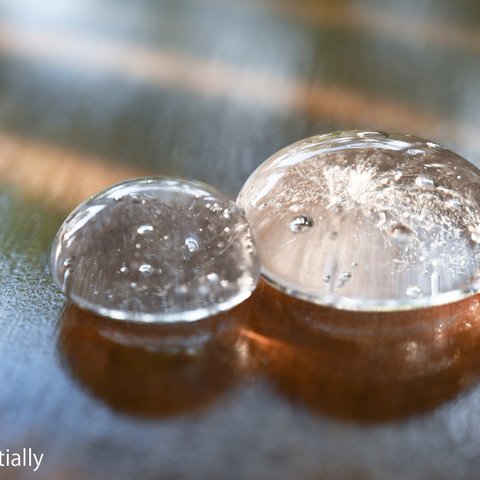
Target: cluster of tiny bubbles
(156, 249)
(367, 221)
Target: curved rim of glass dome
(369, 305)
(147, 180)
(131, 316)
(366, 139)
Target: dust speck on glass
(156, 250)
(367, 221)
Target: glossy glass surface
(367, 221)
(156, 250)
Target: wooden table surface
(96, 91)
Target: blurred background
(96, 91)
(209, 89)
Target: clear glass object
(367, 221)
(156, 249)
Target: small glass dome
(156, 250)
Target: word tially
(26, 458)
